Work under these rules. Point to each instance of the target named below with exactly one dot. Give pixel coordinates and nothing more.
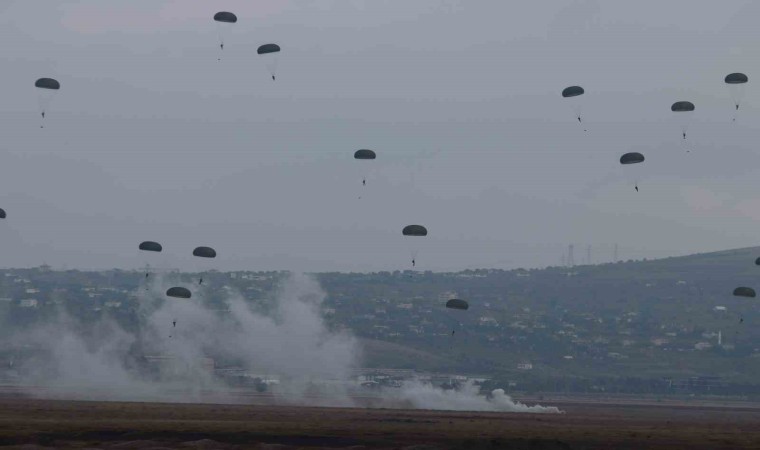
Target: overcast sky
(151, 137)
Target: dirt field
(127, 426)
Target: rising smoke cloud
(289, 341)
(466, 398)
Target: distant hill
(672, 317)
(626, 323)
(396, 356)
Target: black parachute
(735, 83)
(364, 154)
(736, 78)
(631, 158)
(47, 83)
(414, 230)
(270, 54)
(633, 173)
(48, 88)
(572, 91)
(268, 48)
(223, 20)
(226, 17)
(178, 292)
(2, 213)
(204, 252)
(682, 107)
(456, 303)
(757, 262)
(150, 246)
(685, 111)
(744, 292)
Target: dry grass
(132, 426)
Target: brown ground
(36, 424)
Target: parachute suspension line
(577, 109)
(221, 42)
(272, 65)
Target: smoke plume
(284, 345)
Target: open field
(125, 426)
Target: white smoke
(465, 398)
(71, 365)
(287, 340)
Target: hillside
(644, 320)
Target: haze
(152, 138)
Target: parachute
(736, 83)
(744, 292)
(682, 107)
(684, 112)
(150, 246)
(364, 154)
(47, 83)
(204, 252)
(223, 21)
(414, 231)
(225, 17)
(574, 93)
(456, 303)
(268, 48)
(2, 213)
(271, 54)
(629, 159)
(47, 89)
(757, 262)
(178, 292)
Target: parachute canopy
(632, 158)
(682, 107)
(47, 83)
(150, 246)
(364, 154)
(456, 303)
(226, 17)
(744, 292)
(178, 292)
(757, 262)
(414, 230)
(268, 48)
(2, 213)
(204, 252)
(572, 91)
(736, 78)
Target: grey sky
(152, 138)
